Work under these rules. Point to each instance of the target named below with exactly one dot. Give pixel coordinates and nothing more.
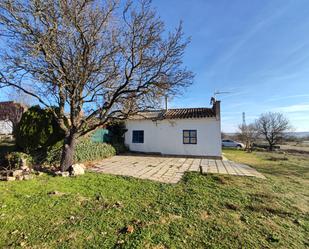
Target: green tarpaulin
(101, 136)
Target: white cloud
(287, 97)
(293, 108)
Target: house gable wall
(166, 136)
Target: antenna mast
(243, 119)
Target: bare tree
(272, 126)
(20, 97)
(95, 60)
(247, 134)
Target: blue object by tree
(102, 136)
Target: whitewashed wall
(166, 136)
(6, 127)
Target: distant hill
(295, 134)
(299, 134)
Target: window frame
(140, 139)
(190, 137)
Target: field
(301, 147)
(213, 211)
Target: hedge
(85, 151)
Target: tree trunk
(271, 147)
(68, 151)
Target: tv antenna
(219, 93)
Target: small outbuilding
(10, 115)
(185, 132)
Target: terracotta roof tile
(188, 113)
(181, 113)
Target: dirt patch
(269, 210)
(221, 179)
(204, 215)
(273, 158)
(169, 218)
(262, 197)
(232, 206)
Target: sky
(258, 50)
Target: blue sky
(256, 49)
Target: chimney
(166, 100)
(216, 108)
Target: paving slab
(169, 169)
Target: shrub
(15, 160)
(120, 148)
(53, 154)
(5, 148)
(118, 129)
(86, 151)
(37, 129)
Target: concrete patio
(169, 169)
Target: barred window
(138, 137)
(189, 136)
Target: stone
(14, 232)
(10, 178)
(22, 244)
(19, 177)
(2, 178)
(27, 177)
(23, 165)
(56, 193)
(118, 204)
(129, 229)
(62, 173)
(17, 172)
(25, 168)
(77, 169)
(38, 173)
(120, 242)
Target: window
(189, 137)
(138, 137)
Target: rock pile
(24, 173)
(74, 170)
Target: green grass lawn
(93, 211)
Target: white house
(186, 131)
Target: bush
(118, 129)
(53, 154)
(15, 160)
(86, 151)
(120, 148)
(37, 129)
